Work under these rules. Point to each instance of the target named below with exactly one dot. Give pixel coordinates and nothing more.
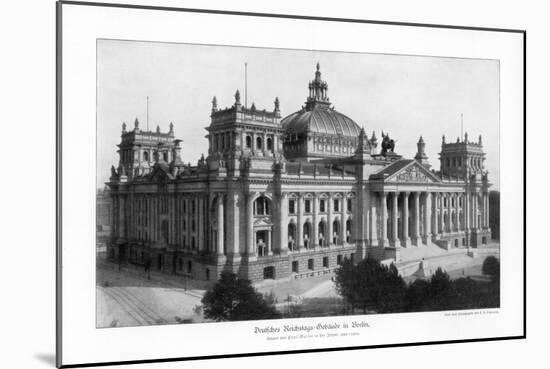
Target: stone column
(372, 219)
(242, 135)
(315, 238)
(394, 217)
(283, 223)
(268, 243)
(343, 219)
(253, 146)
(435, 217)
(220, 221)
(200, 226)
(251, 248)
(441, 224)
(406, 240)
(476, 211)
(329, 219)
(449, 213)
(384, 219)
(417, 240)
(485, 210)
(153, 225)
(427, 218)
(458, 213)
(300, 223)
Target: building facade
(279, 197)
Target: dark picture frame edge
(58, 112)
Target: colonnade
(413, 218)
(174, 219)
(400, 219)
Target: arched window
(248, 142)
(322, 236)
(292, 236)
(261, 206)
(165, 229)
(259, 143)
(165, 156)
(348, 230)
(307, 234)
(269, 144)
(335, 231)
(145, 156)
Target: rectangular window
(336, 205)
(310, 264)
(349, 204)
(339, 259)
(295, 267)
(307, 206)
(322, 206)
(292, 206)
(325, 262)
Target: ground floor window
(310, 264)
(180, 265)
(207, 274)
(325, 262)
(159, 261)
(339, 259)
(456, 243)
(463, 242)
(484, 240)
(189, 266)
(295, 268)
(269, 272)
(352, 257)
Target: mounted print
(229, 192)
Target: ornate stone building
(289, 197)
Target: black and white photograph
(237, 184)
(240, 183)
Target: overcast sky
(407, 96)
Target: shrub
(491, 267)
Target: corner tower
(138, 149)
(462, 158)
(240, 137)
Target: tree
(417, 295)
(440, 291)
(491, 267)
(233, 298)
(346, 282)
(371, 286)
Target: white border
(82, 25)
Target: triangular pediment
(414, 172)
(263, 222)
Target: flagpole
(245, 84)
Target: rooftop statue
(388, 144)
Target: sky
(405, 96)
